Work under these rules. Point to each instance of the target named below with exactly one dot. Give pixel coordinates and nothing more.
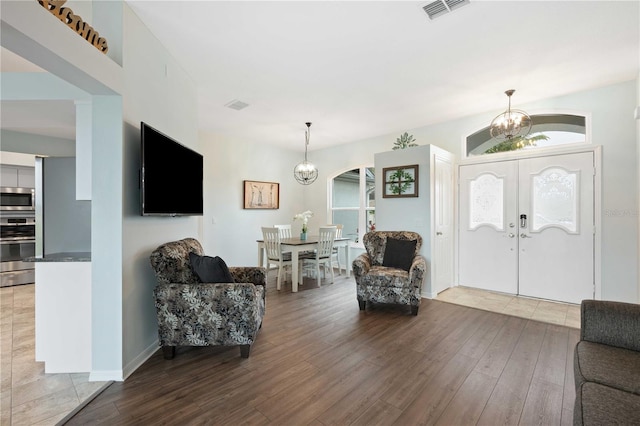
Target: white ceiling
(359, 69)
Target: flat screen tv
(170, 176)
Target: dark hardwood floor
(318, 360)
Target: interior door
(443, 217)
(556, 244)
(488, 254)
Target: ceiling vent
(441, 7)
(237, 105)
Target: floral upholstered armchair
(193, 313)
(391, 270)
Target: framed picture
(261, 195)
(400, 181)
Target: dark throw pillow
(210, 269)
(399, 253)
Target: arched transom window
(547, 130)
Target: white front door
(443, 218)
(556, 245)
(527, 227)
(488, 226)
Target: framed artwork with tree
(400, 181)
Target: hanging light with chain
(306, 173)
(511, 123)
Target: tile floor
(28, 395)
(31, 397)
(536, 309)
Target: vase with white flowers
(304, 217)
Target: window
(353, 202)
(547, 130)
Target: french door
(527, 227)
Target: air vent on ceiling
(440, 7)
(237, 105)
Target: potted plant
(304, 217)
(404, 141)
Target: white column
(83, 149)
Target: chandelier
(305, 172)
(511, 123)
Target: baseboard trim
(140, 359)
(429, 295)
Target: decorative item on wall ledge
(76, 23)
(400, 181)
(511, 123)
(305, 172)
(261, 195)
(404, 141)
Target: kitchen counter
(63, 311)
(80, 256)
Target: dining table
(295, 246)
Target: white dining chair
(285, 230)
(271, 237)
(322, 255)
(335, 255)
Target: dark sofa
(607, 364)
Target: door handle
(523, 235)
(438, 233)
(510, 235)
(523, 221)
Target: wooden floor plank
(506, 403)
(495, 358)
(318, 360)
(543, 405)
(430, 402)
(552, 362)
(468, 403)
(379, 414)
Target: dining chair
(271, 237)
(322, 255)
(285, 230)
(335, 256)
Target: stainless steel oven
(17, 241)
(17, 199)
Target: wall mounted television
(171, 176)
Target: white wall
(404, 214)
(61, 211)
(158, 92)
(229, 230)
(613, 126)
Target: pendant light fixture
(305, 172)
(511, 123)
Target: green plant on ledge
(404, 141)
(516, 143)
